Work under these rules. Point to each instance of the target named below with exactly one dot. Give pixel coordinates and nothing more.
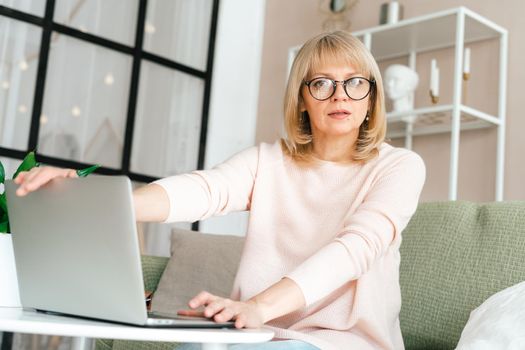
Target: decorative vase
(9, 296)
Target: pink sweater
(334, 229)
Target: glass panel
(167, 123)
(35, 7)
(10, 166)
(19, 52)
(112, 19)
(85, 103)
(179, 30)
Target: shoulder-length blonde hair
(336, 46)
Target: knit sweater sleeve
(201, 194)
(371, 230)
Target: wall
(233, 108)
(292, 22)
(235, 92)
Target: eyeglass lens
(356, 88)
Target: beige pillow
(198, 262)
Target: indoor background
(150, 88)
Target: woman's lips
(343, 114)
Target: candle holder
(466, 77)
(433, 98)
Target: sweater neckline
(331, 163)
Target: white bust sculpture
(400, 83)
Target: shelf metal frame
(483, 29)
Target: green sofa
(454, 255)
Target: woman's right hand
(32, 180)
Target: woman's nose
(340, 93)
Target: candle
(434, 78)
(466, 62)
(393, 12)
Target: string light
(75, 111)
(109, 79)
(5, 85)
(23, 65)
(149, 28)
(43, 119)
(22, 108)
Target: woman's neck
(335, 150)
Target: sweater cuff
(323, 272)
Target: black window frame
(138, 55)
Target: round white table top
(29, 321)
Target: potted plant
(9, 296)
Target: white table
(29, 321)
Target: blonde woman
(327, 206)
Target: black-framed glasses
(356, 88)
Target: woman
(327, 206)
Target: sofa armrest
(152, 269)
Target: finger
(240, 321)
(24, 178)
(20, 178)
(192, 313)
(214, 307)
(71, 173)
(225, 315)
(203, 298)
(37, 177)
(30, 175)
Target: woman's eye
(321, 84)
(355, 82)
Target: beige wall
(291, 22)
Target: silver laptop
(76, 251)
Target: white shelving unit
(441, 30)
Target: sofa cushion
(454, 255)
(198, 262)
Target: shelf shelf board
(436, 120)
(426, 33)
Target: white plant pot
(9, 296)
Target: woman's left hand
(247, 314)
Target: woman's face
(338, 116)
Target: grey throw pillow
(198, 262)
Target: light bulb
(75, 111)
(43, 119)
(150, 28)
(22, 108)
(5, 85)
(23, 65)
(109, 79)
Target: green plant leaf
(3, 204)
(4, 224)
(28, 163)
(85, 172)
(2, 173)
(2, 212)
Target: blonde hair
(340, 46)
